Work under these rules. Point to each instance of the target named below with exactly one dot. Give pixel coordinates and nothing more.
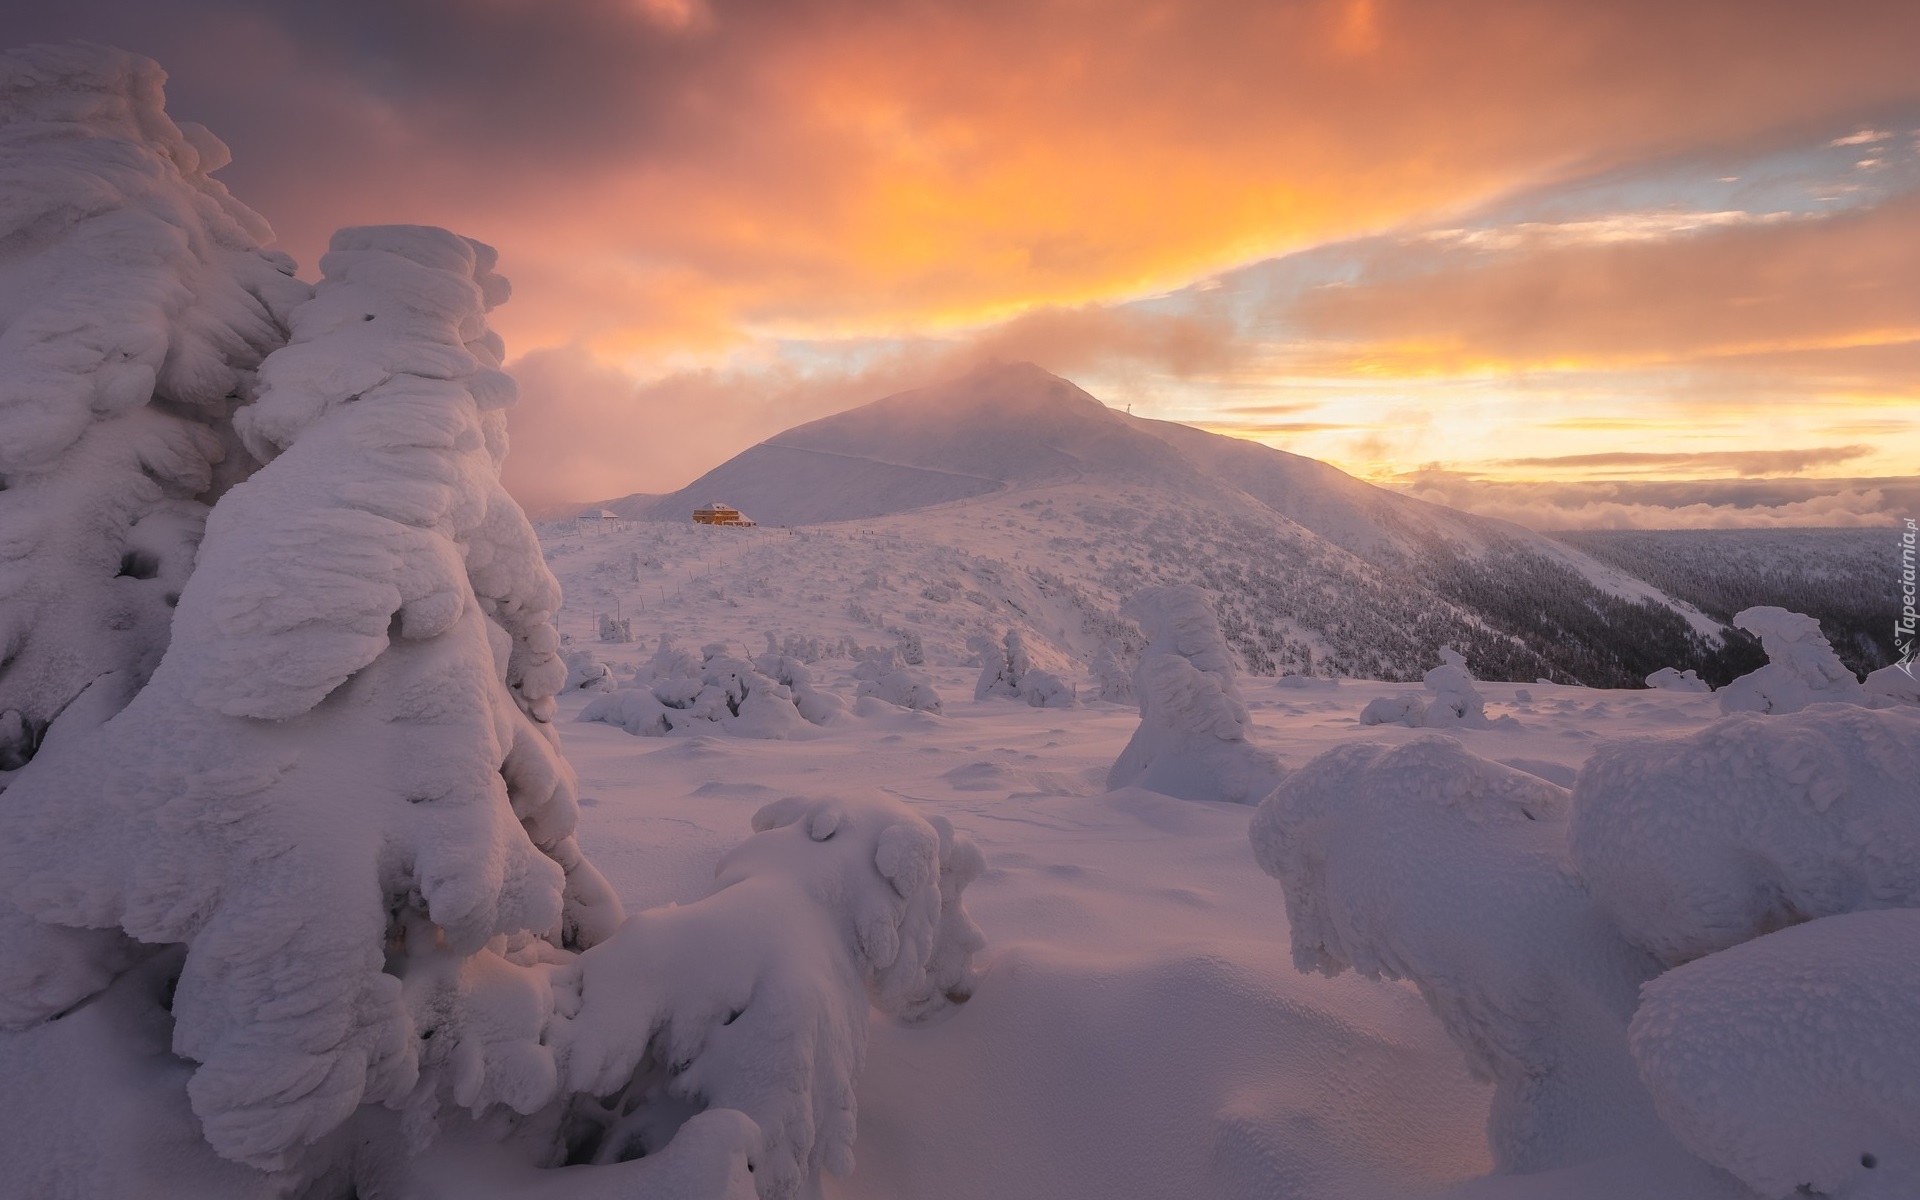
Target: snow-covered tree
(1007, 670)
(346, 750)
(1450, 700)
(1698, 843)
(1801, 668)
(135, 303)
(1111, 674)
(1192, 739)
(1427, 863)
(311, 873)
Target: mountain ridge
(1264, 529)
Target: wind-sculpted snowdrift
(1192, 740)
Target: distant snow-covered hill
(1312, 569)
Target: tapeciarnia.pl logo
(1906, 640)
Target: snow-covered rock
(1793, 1061)
(1427, 863)
(1801, 668)
(345, 754)
(831, 904)
(1698, 843)
(1671, 680)
(135, 304)
(1192, 739)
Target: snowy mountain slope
(1309, 564)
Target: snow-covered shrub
(912, 652)
(1801, 668)
(1007, 670)
(1192, 738)
(669, 662)
(1698, 843)
(1427, 863)
(831, 904)
(1670, 680)
(818, 707)
(902, 689)
(1793, 1061)
(1453, 700)
(724, 694)
(344, 756)
(615, 629)
(1409, 710)
(1112, 675)
(585, 673)
(1449, 701)
(135, 304)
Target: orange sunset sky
(1571, 261)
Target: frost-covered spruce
(1007, 670)
(1427, 863)
(1192, 739)
(135, 302)
(1801, 668)
(1698, 843)
(343, 764)
(1793, 1061)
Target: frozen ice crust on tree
(1793, 1061)
(1698, 843)
(831, 905)
(1192, 739)
(1801, 668)
(1426, 863)
(344, 761)
(135, 303)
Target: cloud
(1726, 290)
(1738, 462)
(659, 169)
(1673, 504)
